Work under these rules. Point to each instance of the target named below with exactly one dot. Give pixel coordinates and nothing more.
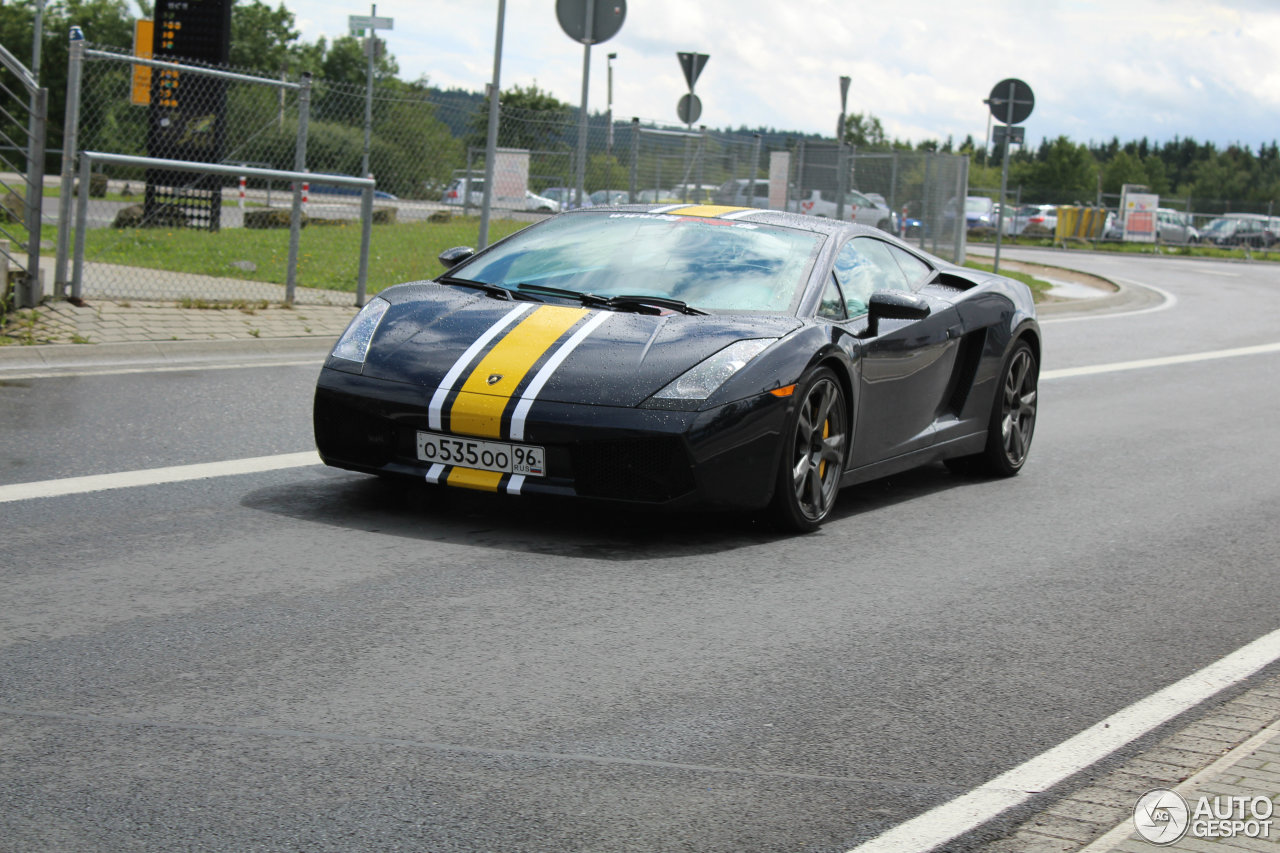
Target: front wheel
(813, 454)
(1013, 418)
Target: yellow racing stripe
(470, 478)
(707, 210)
(480, 403)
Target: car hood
(442, 336)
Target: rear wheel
(814, 452)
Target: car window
(863, 266)
(916, 270)
(832, 304)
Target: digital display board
(188, 112)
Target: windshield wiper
(497, 291)
(592, 300)
(625, 301)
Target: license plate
(482, 455)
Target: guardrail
(365, 185)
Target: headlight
(699, 382)
(354, 343)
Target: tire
(885, 225)
(1013, 418)
(814, 450)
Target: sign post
(1011, 101)
(368, 25)
(590, 22)
(689, 109)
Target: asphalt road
(307, 659)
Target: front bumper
(726, 457)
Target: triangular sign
(692, 63)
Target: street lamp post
(609, 108)
(841, 170)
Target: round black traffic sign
(689, 108)
(1011, 101)
(606, 19)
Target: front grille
(350, 434)
(643, 469)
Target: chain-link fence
(155, 235)
(23, 121)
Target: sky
(1160, 69)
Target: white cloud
(1157, 68)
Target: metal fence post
(755, 169)
(70, 135)
(299, 165)
(366, 233)
(635, 158)
(34, 285)
(962, 228)
(704, 151)
(82, 223)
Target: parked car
(457, 189)
(540, 203)
(334, 189)
(566, 197)
(531, 202)
(742, 192)
(695, 193)
(1172, 226)
(1243, 229)
(857, 208)
(979, 212)
(1037, 220)
(610, 197)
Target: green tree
(263, 38)
(864, 131)
(1123, 168)
(528, 118)
(1060, 168)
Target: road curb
(71, 356)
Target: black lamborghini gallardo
(685, 356)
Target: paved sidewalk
(1232, 749)
(106, 322)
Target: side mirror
(450, 258)
(894, 305)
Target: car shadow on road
(564, 528)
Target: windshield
(977, 205)
(710, 264)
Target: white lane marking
(1093, 370)
(154, 476)
(1168, 300)
(46, 373)
(984, 803)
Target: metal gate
(23, 122)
